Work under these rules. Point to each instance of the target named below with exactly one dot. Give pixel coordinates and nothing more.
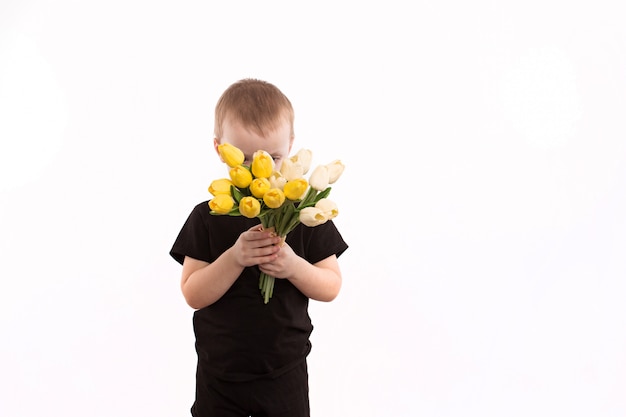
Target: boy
(251, 355)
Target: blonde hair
(257, 105)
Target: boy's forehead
(261, 128)
(249, 140)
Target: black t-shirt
(239, 337)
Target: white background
(483, 199)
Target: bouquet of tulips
(280, 199)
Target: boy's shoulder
(202, 213)
(202, 205)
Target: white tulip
(312, 216)
(319, 178)
(291, 170)
(328, 207)
(303, 157)
(335, 169)
(277, 180)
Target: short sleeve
(322, 241)
(193, 238)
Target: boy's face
(277, 143)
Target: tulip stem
(266, 285)
(309, 198)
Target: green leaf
(232, 212)
(322, 194)
(310, 196)
(236, 193)
(288, 212)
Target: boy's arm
(204, 283)
(320, 281)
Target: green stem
(266, 284)
(308, 199)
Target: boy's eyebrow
(274, 153)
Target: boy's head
(252, 115)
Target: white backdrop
(483, 199)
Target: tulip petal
(249, 207)
(277, 180)
(240, 176)
(295, 189)
(230, 154)
(262, 164)
(304, 158)
(221, 204)
(328, 207)
(312, 216)
(319, 178)
(259, 186)
(291, 169)
(274, 198)
(335, 169)
(221, 186)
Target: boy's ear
(216, 143)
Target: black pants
(284, 396)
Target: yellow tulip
(335, 169)
(274, 198)
(240, 176)
(231, 155)
(328, 207)
(221, 203)
(303, 157)
(319, 178)
(221, 186)
(259, 186)
(277, 180)
(262, 164)
(249, 207)
(295, 189)
(312, 216)
(291, 170)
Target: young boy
(251, 355)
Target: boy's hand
(256, 246)
(284, 263)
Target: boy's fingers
(257, 232)
(256, 228)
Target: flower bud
(274, 198)
(312, 216)
(303, 157)
(262, 164)
(259, 186)
(295, 189)
(319, 178)
(221, 186)
(230, 154)
(240, 176)
(335, 169)
(277, 180)
(249, 207)
(328, 207)
(291, 170)
(221, 203)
